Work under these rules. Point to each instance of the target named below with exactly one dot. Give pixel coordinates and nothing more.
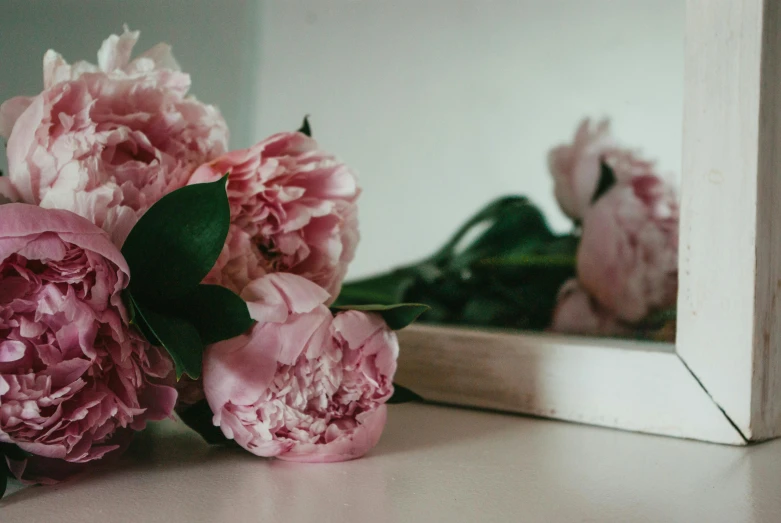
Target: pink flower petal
(10, 111)
(308, 388)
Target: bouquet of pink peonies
(615, 274)
(145, 269)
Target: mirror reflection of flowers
(627, 258)
(615, 274)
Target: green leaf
(386, 289)
(558, 252)
(305, 129)
(403, 395)
(179, 337)
(511, 223)
(396, 316)
(216, 312)
(199, 418)
(13, 452)
(176, 242)
(487, 214)
(4, 473)
(607, 179)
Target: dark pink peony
(75, 380)
(302, 385)
(628, 254)
(296, 205)
(107, 141)
(576, 167)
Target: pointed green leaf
(386, 289)
(511, 223)
(607, 179)
(177, 336)
(176, 242)
(305, 128)
(396, 316)
(13, 452)
(403, 395)
(4, 473)
(216, 312)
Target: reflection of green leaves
(170, 250)
(305, 128)
(502, 268)
(397, 316)
(402, 395)
(510, 223)
(607, 179)
(386, 289)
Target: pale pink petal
(119, 136)
(576, 167)
(347, 446)
(295, 202)
(628, 254)
(162, 57)
(10, 111)
(308, 387)
(116, 50)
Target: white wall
(440, 105)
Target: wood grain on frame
(634, 386)
(722, 380)
(730, 268)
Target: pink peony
(75, 380)
(297, 206)
(577, 313)
(302, 385)
(628, 253)
(239, 263)
(576, 167)
(106, 141)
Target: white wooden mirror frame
(721, 381)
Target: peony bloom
(239, 263)
(577, 313)
(295, 203)
(576, 167)
(75, 380)
(302, 385)
(107, 141)
(628, 254)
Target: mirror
(448, 111)
(445, 108)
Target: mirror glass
(446, 107)
(448, 111)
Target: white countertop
(433, 464)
